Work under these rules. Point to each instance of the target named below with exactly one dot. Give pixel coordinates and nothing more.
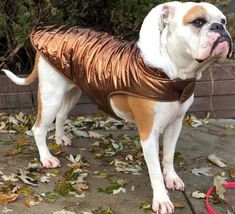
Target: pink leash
(211, 190)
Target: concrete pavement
(193, 148)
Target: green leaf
(107, 211)
(26, 191)
(63, 187)
(101, 174)
(145, 206)
(50, 196)
(71, 175)
(109, 189)
(54, 172)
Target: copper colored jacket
(101, 66)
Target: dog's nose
(216, 27)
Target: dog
(177, 40)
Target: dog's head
(183, 38)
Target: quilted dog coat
(101, 65)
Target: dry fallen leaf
(13, 152)
(121, 166)
(218, 183)
(232, 172)
(93, 134)
(79, 187)
(74, 159)
(6, 210)
(198, 195)
(63, 212)
(12, 177)
(216, 160)
(45, 179)
(178, 205)
(23, 141)
(202, 171)
(2, 125)
(119, 190)
(30, 202)
(21, 117)
(191, 120)
(233, 208)
(34, 165)
(28, 178)
(7, 198)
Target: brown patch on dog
(137, 109)
(39, 114)
(121, 103)
(193, 13)
(34, 73)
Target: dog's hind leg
(44, 120)
(69, 101)
(52, 87)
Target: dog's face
(200, 30)
(189, 36)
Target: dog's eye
(223, 21)
(199, 22)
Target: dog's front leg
(143, 112)
(161, 202)
(170, 138)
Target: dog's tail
(23, 81)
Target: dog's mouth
(223, 38)
(200, 60)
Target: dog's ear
(151, 32)
(167, 13)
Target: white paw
(163, 207)
(63, 141)
(50, 162)
(174, 182)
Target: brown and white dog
(181, 39)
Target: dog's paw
(163, 207)
(50, 162)
(174, 182)
(63, 141)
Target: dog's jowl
(150, 82)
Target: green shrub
(17, 18)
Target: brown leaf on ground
(233, 208)
(13, 152)
(29, 202)
(232, 172)
(23, 141)
(79, 187)
(74, 165)
(178, 205)
(7, 198)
